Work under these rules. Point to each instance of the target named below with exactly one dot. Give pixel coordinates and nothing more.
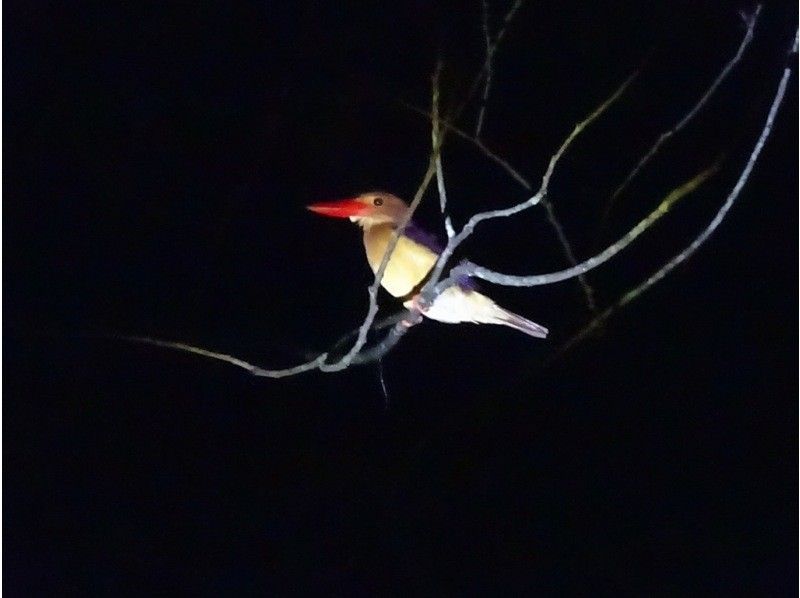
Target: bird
(379, 214)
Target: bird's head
(367, 209)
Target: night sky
(158, 158)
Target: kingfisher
(379, 214)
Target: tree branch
(239, 363)
(487, 85)
(473, 270)
(712, 226)
(436, 134)
(490, 52)
(377, 326)
(748, 36)
(566, 247)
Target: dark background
(157, 160)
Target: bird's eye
(378, 201)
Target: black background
(157, 160)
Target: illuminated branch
(469, 227)
(540, 196)
(386, 322)
(473, 270)
(436, 141)
(239, 363)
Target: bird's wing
(410, 263)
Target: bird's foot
(419, 304)
(413, 318)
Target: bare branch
(384, 387)
(388, 342)
(465, 232)
(684, 255)
(436, 134)
(372, 311)
(470, 269)
(386, 322)
(566, 247)
(491, 50)
(748, 36)
(509, 16)
(487, 84)
(239, 363)
(405, 318)
(512, 172)
(431, 287)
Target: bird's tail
(457, 305)
(507, 318)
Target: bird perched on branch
(412, 260)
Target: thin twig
(474, 141)
(487, 84)
(388, 342)
(487, 62)
(748, 36)
(566, 247)
(240, 363)
(436, 134)
(386, 322)
(684, 255)
(384, 387)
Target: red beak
(339, 209)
